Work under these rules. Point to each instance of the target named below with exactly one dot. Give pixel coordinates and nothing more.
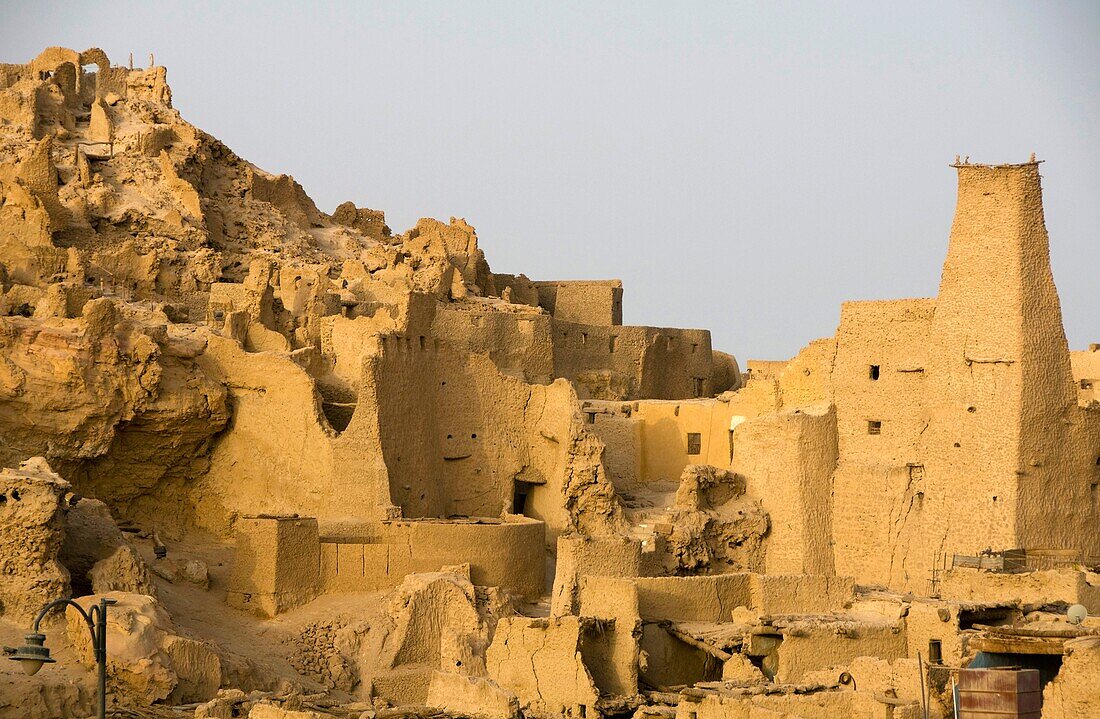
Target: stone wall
(590, 302)
(282, 562)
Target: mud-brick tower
(1005, 449)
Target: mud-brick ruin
(331, 470)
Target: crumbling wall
(477, 434)
(540, 661)
(509, 554)
(620, 363)
(1068, 585)
(878, 383)
(276, 565)
(432, 622)
(280, 455)
(518, 343)
(611, 649)
(451, 428)
(587, 302)
(1075, 692)
(32, 523)
(811, 645)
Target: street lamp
(34, 653)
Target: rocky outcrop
(114, 402)
(148, 660)
(33, 500)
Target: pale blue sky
(742, 167)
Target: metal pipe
(101, 656)
(923, 691)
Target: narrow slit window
(874, 426)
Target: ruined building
(327, 469)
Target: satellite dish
(1076, 614)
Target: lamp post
(34, 653)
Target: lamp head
(33, 654)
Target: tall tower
(999, 399)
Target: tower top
(967, 163)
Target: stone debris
(330, 469)
(123, 571)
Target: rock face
(148, 661)
(32, 520)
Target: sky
(742, 167)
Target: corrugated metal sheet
(999, 694)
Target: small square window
(695, 443)
(874, 426)
(873, 372)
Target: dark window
(695, 442)
(520, 492)
(874, 426)
(1086, 384)
(697, 386)
(874, 372)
